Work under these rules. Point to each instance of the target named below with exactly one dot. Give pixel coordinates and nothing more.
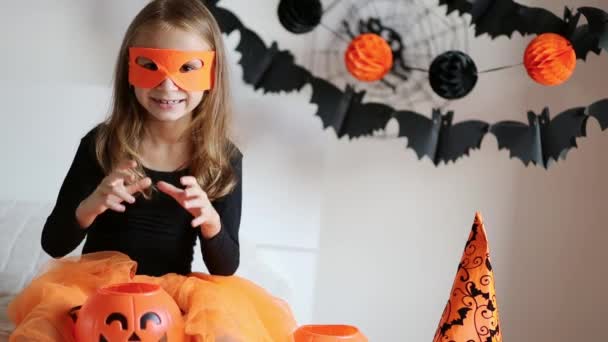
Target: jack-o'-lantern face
(123, 326)
(129, 312)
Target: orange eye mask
(173, 64)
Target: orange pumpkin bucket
(328, 333)
(129, 312)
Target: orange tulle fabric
(216, 308)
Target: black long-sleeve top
(155, 232)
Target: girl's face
(168, 102)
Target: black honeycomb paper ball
(453, 75)
(300, 16)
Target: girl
(169, 125)
(159, 173)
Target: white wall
(393, 228)
(363, 232)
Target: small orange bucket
(328, 333)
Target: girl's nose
(168, 84)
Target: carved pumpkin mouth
(132, 338)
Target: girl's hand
(115, 188)
(195, 200)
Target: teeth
(169, 101)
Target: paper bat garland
(539, 141)
(504, 17)
(544, 139)
(433, 137)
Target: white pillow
(21, 254)
(6, 326)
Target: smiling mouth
(170, 102)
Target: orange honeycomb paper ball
(368, 57)
(550, 59)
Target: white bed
(21, 256)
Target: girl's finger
(123, 170)
(123, 195)
(189, 181)
(114, 205)
(128, 176)
(195, 203)
(106, 188)
(170, 190)
(195, 191)
(143, 183)
(199, 221)
(117, 176)
(113, 198)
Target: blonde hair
(119, 136)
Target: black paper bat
(226, 20)
(542, 140)
(437, 138)
(344, 110)
(598, 24)
(599, 110)
(504, 17)
(264, 67)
